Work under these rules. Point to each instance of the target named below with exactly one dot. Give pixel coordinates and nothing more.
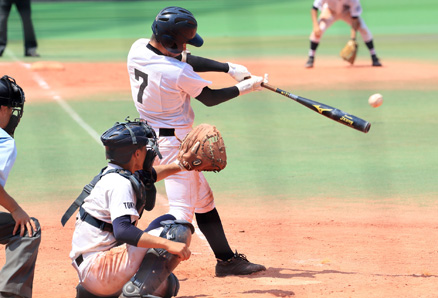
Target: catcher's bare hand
(203, 149)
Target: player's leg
(325, 20)
(210, 224)
(5, 9)
(154, 276)
(367, 38)
(17, 274)
(30, 43)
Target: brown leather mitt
(203, 149)
(348, 53)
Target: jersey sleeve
(7, 157)
(318, 4)
(355, 8)
(190, 82)
(122, 199)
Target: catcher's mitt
(203, 149)
(348, 53)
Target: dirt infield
(318, 249)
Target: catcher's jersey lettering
(144, 76)
(129, 205)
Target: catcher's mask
(175, 26)
(11, 95)
(124, 138)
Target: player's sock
(370, 46)
(211, 226)
(313, 47)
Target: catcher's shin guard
(157, 265)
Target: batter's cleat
(376, 61)
(309, 63)
(237, 265)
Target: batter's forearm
(201, 64)
(211, 97)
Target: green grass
(277, 149)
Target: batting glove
(252, 84)
(238, 72)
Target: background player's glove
(348, 53)
(238, 72)
(203, 149)
(253, 83)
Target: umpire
(20, 233)
(24, 9)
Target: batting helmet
(175, 26)
(124, 138)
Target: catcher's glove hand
(348, 53)
(203, 149)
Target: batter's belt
(166, 132)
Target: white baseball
(375, 100)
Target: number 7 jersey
(162, 86)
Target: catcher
(348, 11)
(111, 255)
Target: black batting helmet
(175, 26)
(124, 138)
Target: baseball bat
(325, 110)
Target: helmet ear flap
(167, 41)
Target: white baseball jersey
(112, 197)
(162, 87)
(340, 6)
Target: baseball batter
(348, 11)
(111, 255)
(20, 233)
(164, 77)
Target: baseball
(375, 100)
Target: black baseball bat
(325, 110)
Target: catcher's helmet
(11, 94)
(124, 138)
(174, 26)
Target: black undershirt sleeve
(125, 231)
(210, 97)
(201, 64)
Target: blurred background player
(24, 9)
(348, 11)
(20, 233)
(164, 78)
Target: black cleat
(237, 265)
(309, 63)
(376, 61)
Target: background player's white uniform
(106, 267)
(334, 10)
(164, 102)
